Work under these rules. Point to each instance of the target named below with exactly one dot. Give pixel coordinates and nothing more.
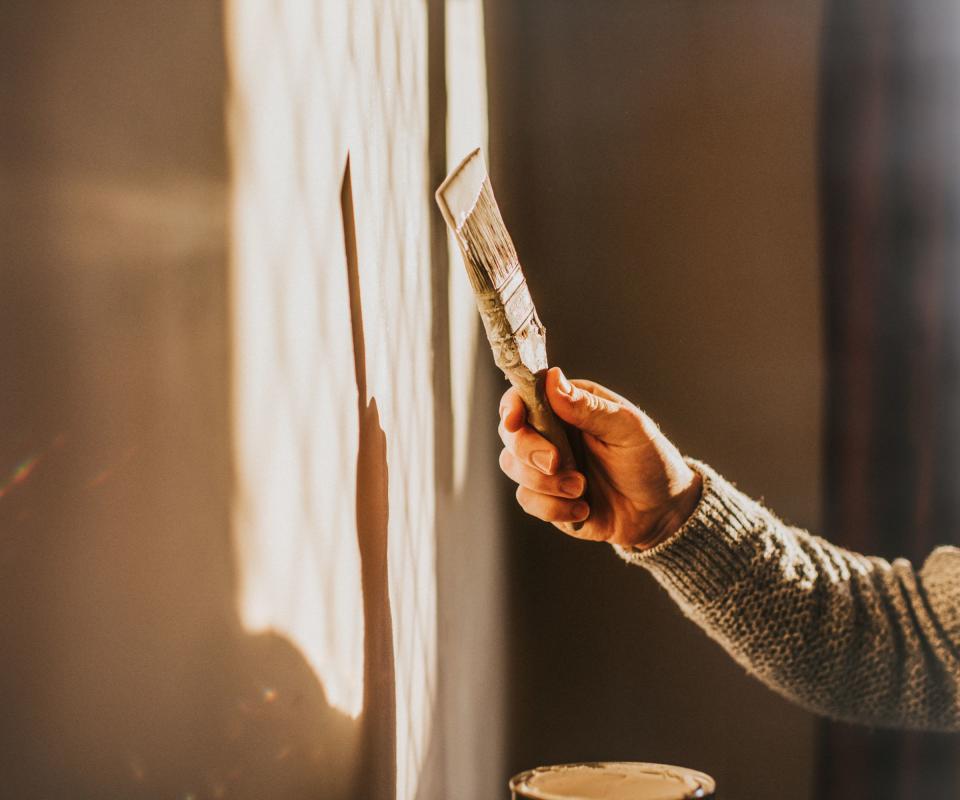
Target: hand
(640, 489)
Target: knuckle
(521, 443)
(538, 482)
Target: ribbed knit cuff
(939, 578)
(713, 549)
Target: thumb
(609, 418)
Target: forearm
(840, 633)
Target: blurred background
(253, 538)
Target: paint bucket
(612, 780)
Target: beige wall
(236, 550)
(656, 162)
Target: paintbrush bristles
(492, 257)
(517, 337)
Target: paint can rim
(706, 785)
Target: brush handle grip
(541, 417)
(565, 438)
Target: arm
(837, 632)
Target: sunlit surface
(466, 130)
(313, 81)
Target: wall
(351, 338)
(237, 544)
(656, 163)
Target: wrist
(676, 513)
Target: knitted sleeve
(842, 634)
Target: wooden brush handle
(566, 438)
(548, 424)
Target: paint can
(612, 780)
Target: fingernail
(572, 486)
(581, 511)
(543, 461)
(564, 385)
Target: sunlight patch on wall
(312, 81)
(466, 130)
(295, 423)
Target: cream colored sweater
(840, 633)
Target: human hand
(640, 489)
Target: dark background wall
(656, 164)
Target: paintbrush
(516, 335)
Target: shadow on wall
(378, 758)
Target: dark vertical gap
(889, 245)
(509, 54)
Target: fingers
(513, 413)
(598, 411)
(531, 461)
(551, 509)
(568, 484)
(522, 440)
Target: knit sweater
(842, 634)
